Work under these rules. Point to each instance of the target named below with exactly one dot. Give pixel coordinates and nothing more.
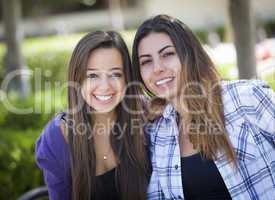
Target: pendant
(104, 157)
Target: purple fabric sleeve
(52, 156)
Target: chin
(168, 96)
(106, 110)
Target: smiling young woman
(214, 139)
(92, 151)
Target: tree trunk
(13, 38)
(116, 15)
(241, 16)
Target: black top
(201, 179)
(106, 187)
(105, 183)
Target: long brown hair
(206, 124)
(128, 143)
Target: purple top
(52, 156)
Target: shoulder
(253, 101)
(51, 145)
(52, 157)
(52, 133)
(240, 93)
(241, 86)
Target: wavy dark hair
(129, 146)
(197, 68)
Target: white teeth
(163, 81)
(103, 98)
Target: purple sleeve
(52, 156)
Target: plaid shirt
(249, 108)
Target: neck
(184, 122)
(103, 122)
(180, 106)
(103, 117)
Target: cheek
(119, 85)
(87, 88)
(146, 75)
(175, 65)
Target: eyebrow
(112, 69)
(159, 51)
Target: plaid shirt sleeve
(249, 107)
(264, 110)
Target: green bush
(18, 171)
(42, 106)
(49, 55)
(270, 28)
(202, 35)
(221, 32)
(270, 79)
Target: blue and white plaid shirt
(249, 108)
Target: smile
(103, 97)
(165, 80)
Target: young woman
(214, 139)
(93, 151)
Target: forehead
(105, 58)
(154, 42)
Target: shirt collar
(170, 116)
(169, 111)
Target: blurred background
(37, 38)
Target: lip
(165, 81)
(104, 94)
(101, 101)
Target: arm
(50, 157)
(263, 115)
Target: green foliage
(33, 112)
(270, 28)
(202, 35)
(221, 32)
(18, 171)
(225, 70)
(270, 79)
(48, 56)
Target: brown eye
(167, 54)
(92, 76)
(116, 75)
(144, 62)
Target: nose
(104, 84)
(158, 66)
